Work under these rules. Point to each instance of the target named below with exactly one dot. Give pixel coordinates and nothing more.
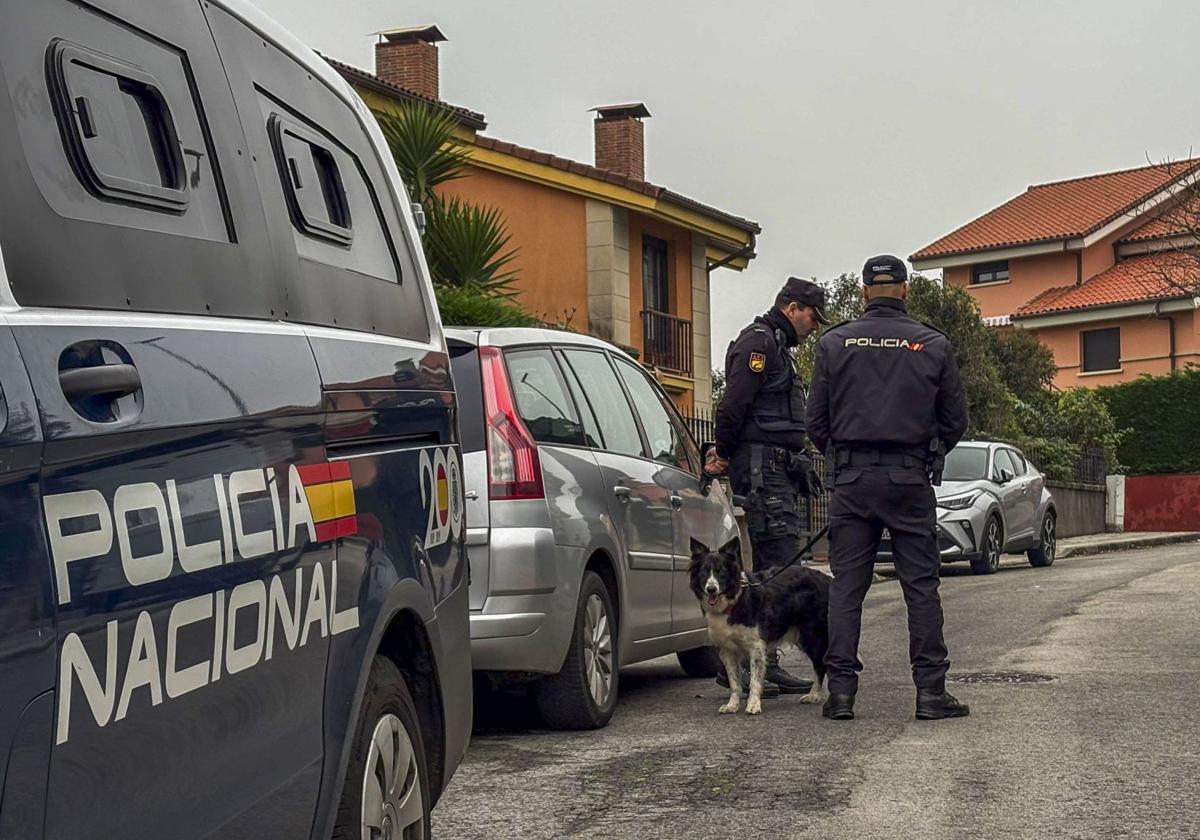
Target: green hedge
(1161, 415)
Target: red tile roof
(589, 171)
(1060, 210)
(466, 117)
(1181, 219)
(1145, 278)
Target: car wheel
(700, 663)
(988, 561)
(584, 693)
(386, 791)
(1043, 555)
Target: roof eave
(1104, 312)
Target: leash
(746, 582)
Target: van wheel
(988, 561)
(1043, 555)
(386, 791)
(584, 693)
(700, 663)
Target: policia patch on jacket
(758, 362)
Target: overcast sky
(846, 129)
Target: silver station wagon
(583, 489)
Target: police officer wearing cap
(760, 436)
(886, 403)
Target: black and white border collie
(747, 618)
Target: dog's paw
(754, 707)
(813, 697)
(728, 709)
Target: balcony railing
(667, 342)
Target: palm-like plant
(464, 243)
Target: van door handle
(622, 493)
(111, 381)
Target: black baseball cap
(806, 293)
(884, 266)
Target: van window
(607, 400)
(541, 396)
(666, 445)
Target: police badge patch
(758, 362)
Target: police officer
(885, 402)
(760, 435)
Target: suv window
(1002, 462)
(666, 445)
(1018, 462)
(607, 400)
(542, 399)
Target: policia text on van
(235, 595)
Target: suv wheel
(988, 561)
(1043, 555)
(700, 663)
(386, 791)
(584, 693)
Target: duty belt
(877, 458)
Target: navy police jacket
(885, 382)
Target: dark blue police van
(233, 595)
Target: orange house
(1091, 266)
(598, 246)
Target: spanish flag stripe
(313, 473)
(320, 501)
(339, 470)
(343, 498)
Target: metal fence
(1090, 467)
(667, 341)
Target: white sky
(846, 129)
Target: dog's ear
(698, 548)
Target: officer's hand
(714, 464)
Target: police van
(233, 588)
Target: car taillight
(514, 471)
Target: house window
(992, 272)
(656, 286)
(1101, 350)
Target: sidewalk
(1097, 543)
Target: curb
(1127, 544)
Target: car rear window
(464, 366)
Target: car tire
(1043, 555)
(702, 663)
(987, 562)
(583, 694)
(393, 802)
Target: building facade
(1097, 267)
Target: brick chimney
(408, 58)
(620, 142)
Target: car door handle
(676, 501)
(622, 493)
(110, 381)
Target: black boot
(769, 691)
(786, 682)
(839, 707)
(935, 705)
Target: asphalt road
(1107, 745)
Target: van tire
(386, 701)
(700, 663)
(566, 699)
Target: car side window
(1002, 462)
(542, 398)
(666, 444)
(592, 435)
(1018, 462)
(607, 399)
